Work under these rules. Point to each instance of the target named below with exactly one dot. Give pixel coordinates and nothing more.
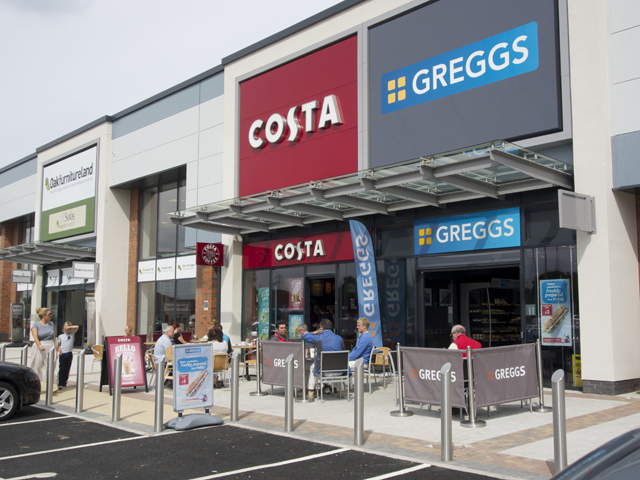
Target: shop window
(165, 304)
(186, 304)
(542, 227)
(346, 320)
(167, 231)
(256, 298)
(186, 235)
(394, 242)
(148, 223)
(288, 292)
(146, 300)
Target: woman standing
(43, 342)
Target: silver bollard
(472, 422)
(358, 404)
(3, 348)
(401, 412)
(258, 392)
(288, 395)
(80, 383)
(24, 355)
(117, 388)
(51, 366)
(159, 414)
(305, 398)
(559, 422)
(235, 385)
(540, 408)
(446, 438)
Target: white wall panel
(212, 112)
(210, 194)
(18, 198)
(625, 61)
(211, 141)
(163, 157)
(210, 170)
(625, 105)
(623, 14)
(192, 198)
(192, 176)
(163, 132)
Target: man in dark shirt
(324, 340)
(281, 332)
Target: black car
(19, 387)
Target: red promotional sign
(210, 254)
(299, 122)
(325, 247)
(133, 365)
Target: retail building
(447, 127)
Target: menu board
(296, 294)
(132, 350)
(555, 312)
(192, 376)
(263, 313)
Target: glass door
(438, 297)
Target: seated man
(163, 342)
(461, 341)
(364, 344)
(281, 332)
(324, 340)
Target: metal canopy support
(320, 211)
(280, 217)
(40, 253)
(208, 227)
(484, 189)
(411, 194)
(464, 167)
(539, 172)
(374, 207)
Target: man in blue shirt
(324, 340)
(364, 343)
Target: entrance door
(322, 299)
(439, 295)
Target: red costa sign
(299, 122)
(210, 254)
(326, 247)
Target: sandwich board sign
(192, 376)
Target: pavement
(515, 444)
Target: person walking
(43, 342)
(65, 352)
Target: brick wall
(206, 289)
(132, 274)
(9, 238)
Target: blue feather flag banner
(368, 298)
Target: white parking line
(400, 472)
(11, 457)
(271, 465)
(31, 421)
(33, 475)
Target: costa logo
(277, 126)
(430, 375)
(504, 373)
(290, 250)
(210, 254)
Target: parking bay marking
(31, 421)
(71, 448)
(400, 472)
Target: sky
(66, 63)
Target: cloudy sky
(66, 63)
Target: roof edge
(18, 162)
(72, 134)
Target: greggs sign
(326, 247)
(299, 122)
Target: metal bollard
(235, 385)
(24, 355)
(358, 404)
(80, 383)
(159, 414)
(288, 395)
(540, 408)
(3, 349)
(401, 412)
(559, 422)
(51, 366)
(258, 392)
(117, 388)
(472, 422)
(305, 398)
(446, 439)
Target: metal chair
(98, 352)
(251, 362)
(334, 368)
(379, 360)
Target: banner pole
(358, 403)
(51, 365)
(117, 388)
(540, 408)
(401, 412)
(305, 398)
(472, 422)
(235, 372)
(559, 422)
(159, 413)
(258, 392)
(288, 395)
(446, 438)
(80, 383)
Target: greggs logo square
(493, 59)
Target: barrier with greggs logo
(274, 355)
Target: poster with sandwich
(555, 312)
(192, 376)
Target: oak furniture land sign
(69, 196)
(422, 379)
(505, 374)
(295, 131)
(133, 366)
(555, 312)
(192, 376)
(274, 355)
(85, 270)
(23, 276)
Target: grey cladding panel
(626, 160)
(18, 172)
(211, 87)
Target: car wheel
(8, 401)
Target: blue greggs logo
(496, 58)
(473, 231)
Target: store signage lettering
(299, 250)
(493, 59)
(276, 126)
(61, 180)
(432, 375)
(504, 373)
(475, 231)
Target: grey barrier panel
(274, 355)
(446, 436)
(422, 377)
(505, 374)
(358, 403)
(288, 395)
(158, 424)
(80, 383)
(305, 371)
(559, 422)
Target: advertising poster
(296, 295)
(192, 376)
(294, 321)
(555, 312)
(133, 365)
(263, 313)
